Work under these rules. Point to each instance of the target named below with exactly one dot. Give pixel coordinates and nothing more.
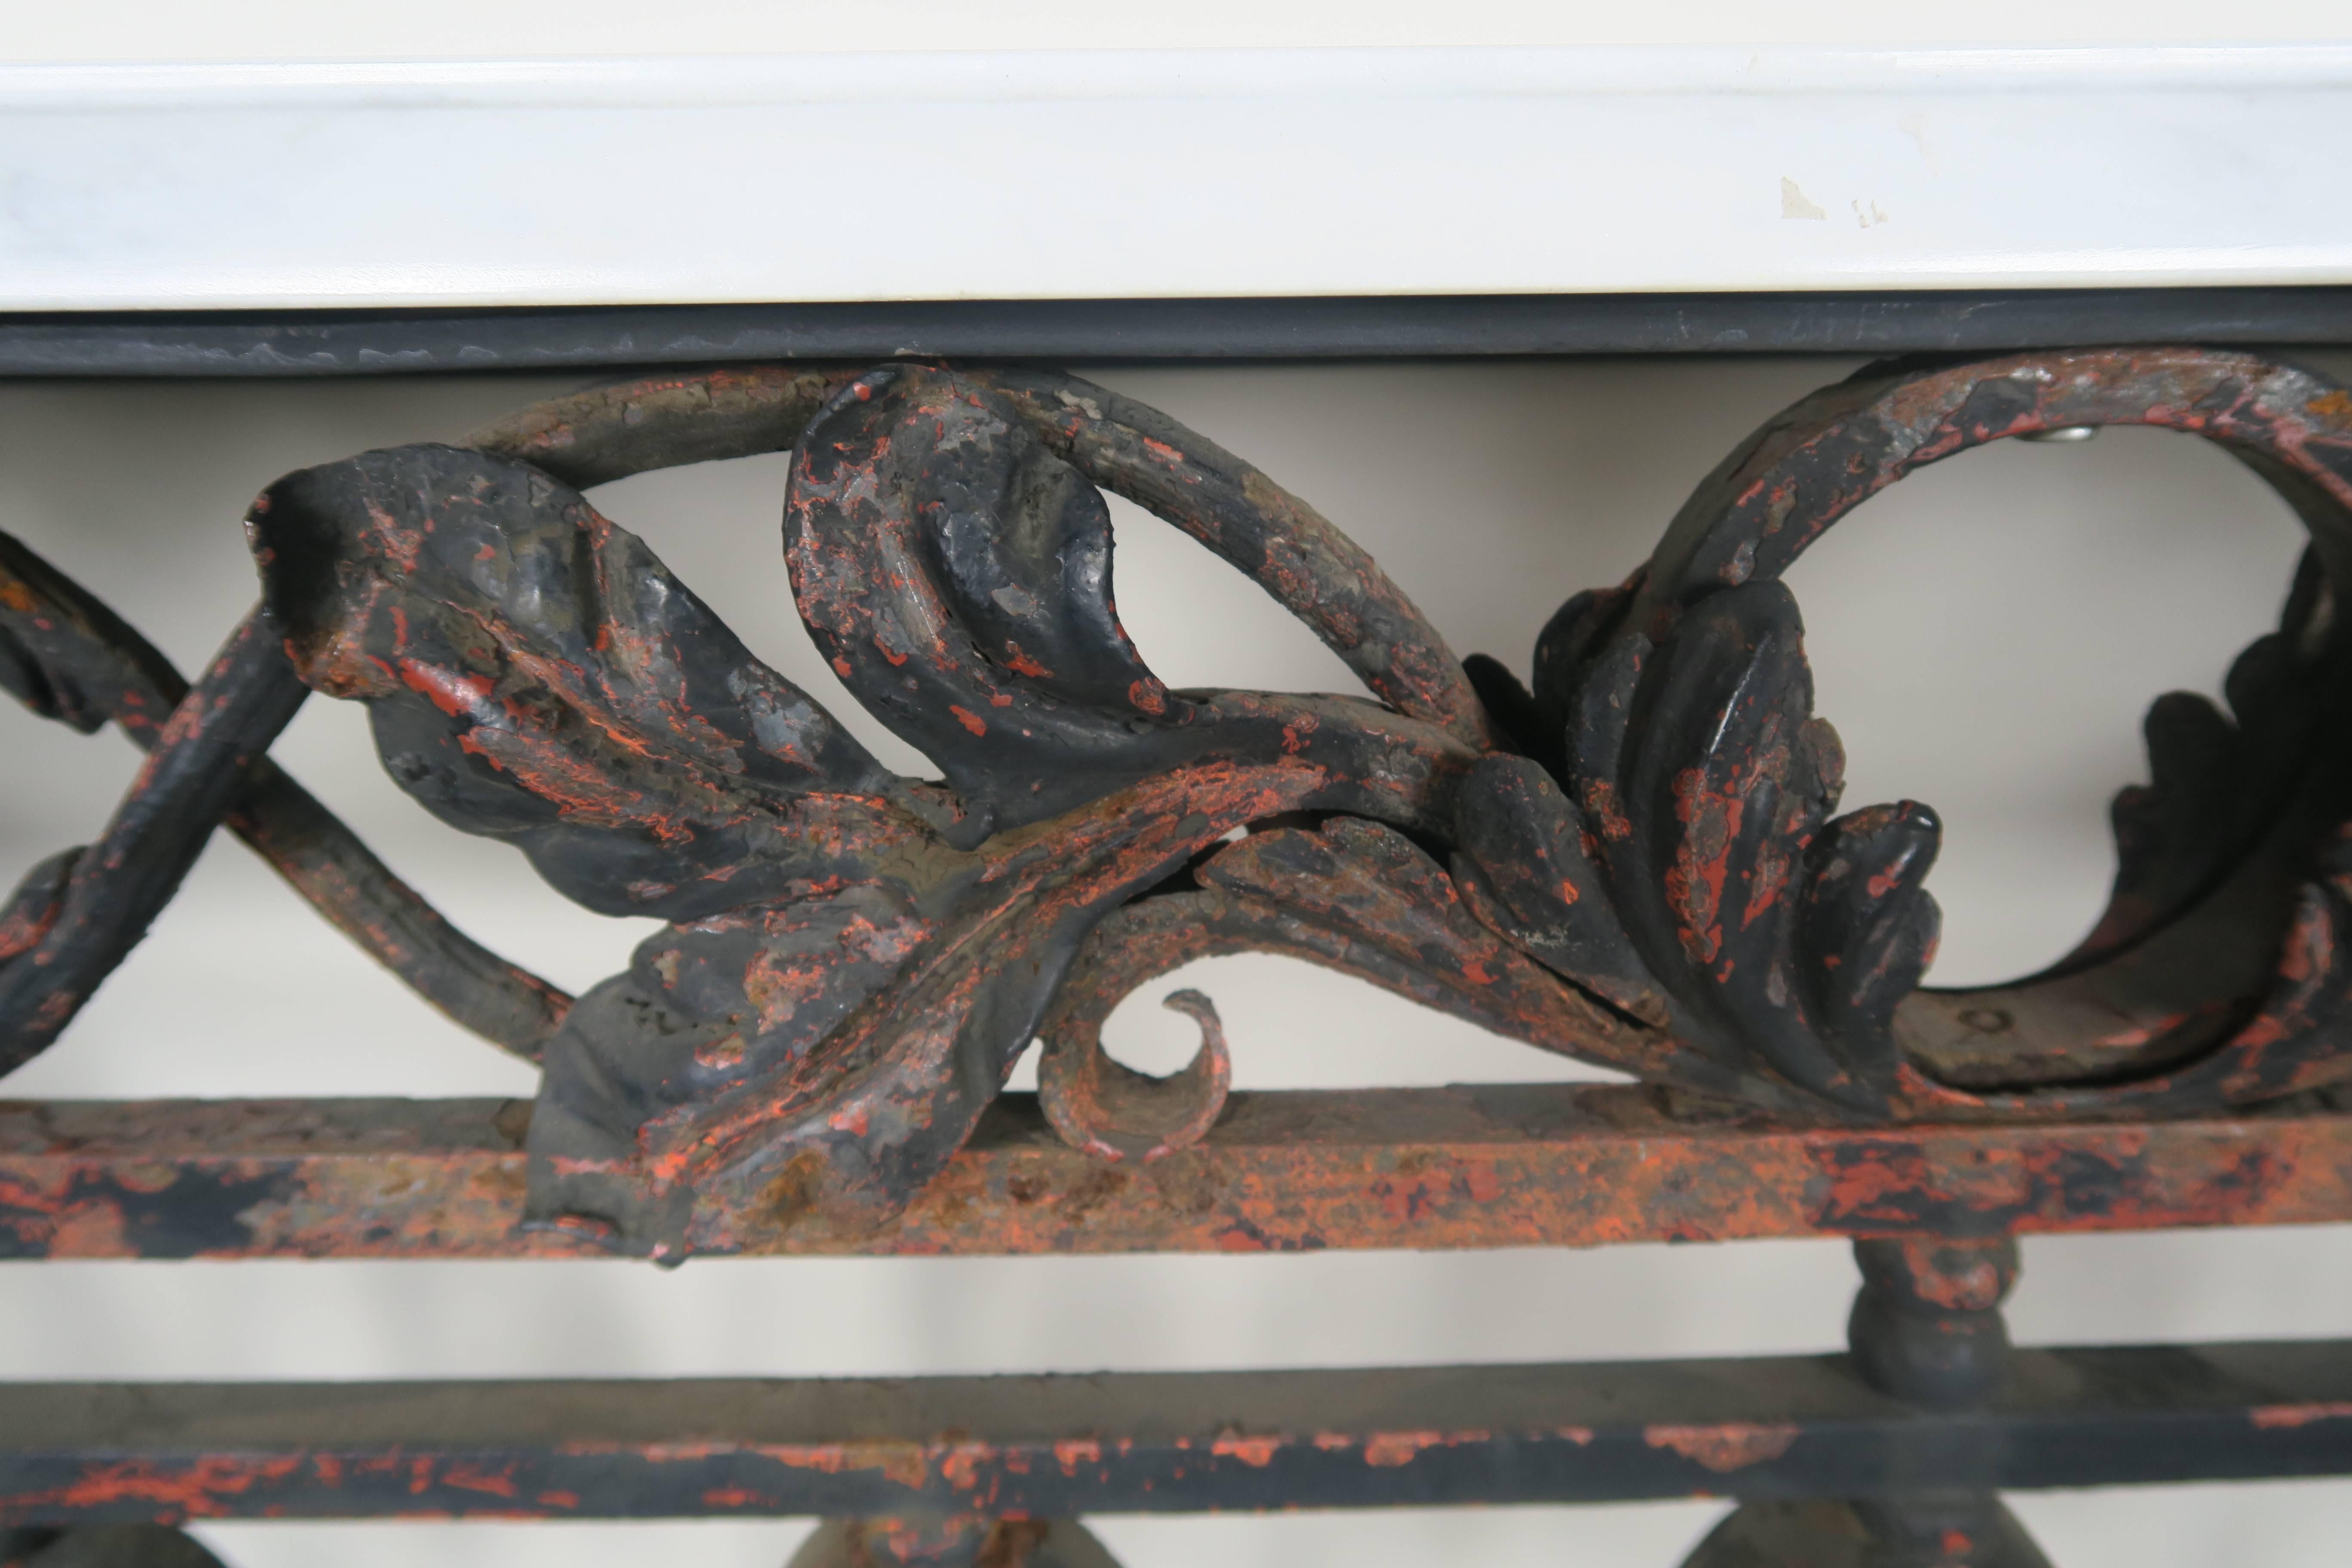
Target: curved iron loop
(67, 657)
(1677, 710)
(1106, 1109)
(70, 928)
(956, 572)
(643, 422)
(1278, 541)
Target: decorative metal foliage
(1635, 859)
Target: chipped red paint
(2248, 829)
(83, 911)
(942, 1449)
(2277, 1417)
(1257, 1452)
(208, 1488)
(1502, 1166)
(1393, 1450)
(1727, 1447)
(1691, 747)
(1073, 781)
(1951, 1274)
(609, 432)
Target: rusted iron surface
(1106, 1107)
(633, 426)
(1634, 858)
(1366, 900)
(1049, 1448)
(1298, 1170)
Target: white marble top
(1075, 173)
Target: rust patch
(1732, 1446)
(1255, 1452)
(1390, 1450)
(2283, 1417)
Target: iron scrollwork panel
(1636, 859)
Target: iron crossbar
(1051, 1446)
(1480, 1166)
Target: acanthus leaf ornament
(2195, 991)
(1636, 859)
(857, 959)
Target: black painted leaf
(1525, 866)
(703, 1010)
(1563, 649)
(1368, 882)
(1870, 929)
(534, 673)
(958, 576)
(1718, 777)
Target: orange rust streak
(1726, 1446)
(193, 1492)
(455, 695)
(1255, 1452)
(2281, 1417)
(1389, 1451)
(465, 1478)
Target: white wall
(1985, 637)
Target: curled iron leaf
(1697, 757)
(1527, 860)
(1363, 900)
(956, 574)
(1106, 1109)
(2195, 988)
(534, 673)
(1868, 931)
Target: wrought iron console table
(1636, 859)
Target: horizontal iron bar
(1052, 1447)
(1476, 1166)
(376, 342)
